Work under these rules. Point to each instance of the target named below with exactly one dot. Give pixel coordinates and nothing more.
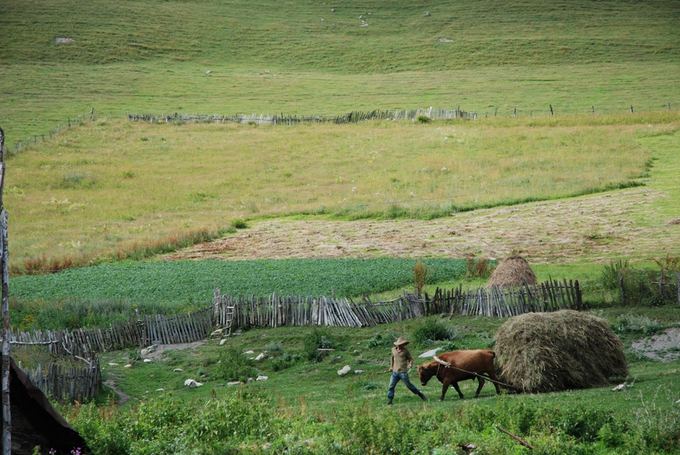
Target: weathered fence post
(623, 289)
(6, 411)
(677, 283)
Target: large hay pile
(544, 352)
(513, 271)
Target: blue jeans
(396, 376)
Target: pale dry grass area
(95, 190)
(594, 228)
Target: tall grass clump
(432, 330)
(419, 276)
(478, 267)
(235, 366)
(315, 343)
(633, 323)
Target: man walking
(400, 364)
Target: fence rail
(285, 119)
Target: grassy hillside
(273, 56)
(77, 196)
(318, 411)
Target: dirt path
(593, 227)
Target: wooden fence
(505, 302)
(68, 382)
(284, 119)
(276, 311)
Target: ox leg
(479, 387)
(445, 388)
(460, 394)
(492, 375)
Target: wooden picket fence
(277, 311)
(68, 382)
(506, 302)
(284, 119)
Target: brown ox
(450, 365)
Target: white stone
(358, 371)
(63, 40)
(160, 390)
(127, 365)
(344, 370)
(248, 352)
(430, 353)
(192, 383)
(445, 40)
(619, 387)
(148, 360)
(113, 364)
(262, 378)
(216, 333)
(178, 370)
(251, 380)
(148, 350)
(261, 356)
(222, 341)
(232, 383)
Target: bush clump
(234, 366)
(432, 330)
(314, 341)
(633, 323)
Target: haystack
(513, 271)
(544, 352)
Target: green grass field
(153, 56)
(320, 408)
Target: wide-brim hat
(401, 341)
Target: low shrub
(234, 366)
(419, 276)
(432, 330)
(632, 323)
(315, 340)
(478, 267)
(285, 361)
(382, 340)
(239, 224)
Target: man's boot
(389, 401)
(422, 396)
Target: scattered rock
(427, 14)
(178, 370)
(445, 40)
(361, 17)
(675, 221)
(468, 448)
(344, 370)
(192, 383)
(216, 333)
(146, 352)
(332, 10)
(249, 353)
(113, 364)
(208, 72)
(262, 378)
(160, 390)
(364, 24)
(127, 365)
(250, 380)
(430, 353)
(337, 358)
(222, 341)
(358, 371)
(261, 356)
(234, 383)
(148, 360)
(661, 346)
(64, 40)
(356, 352)
(619, 387)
